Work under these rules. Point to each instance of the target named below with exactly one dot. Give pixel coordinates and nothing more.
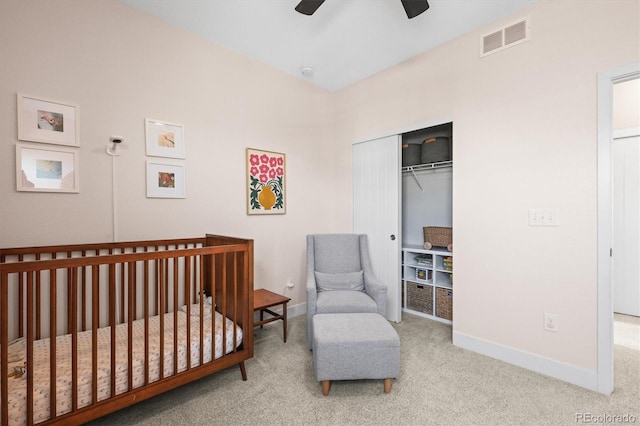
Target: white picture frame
(47, 169)
(164, 139)
(47, 121)
(165, 180)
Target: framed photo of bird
(47, 121)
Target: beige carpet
(439, 384)
(626, 331)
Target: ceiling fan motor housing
(412, 8)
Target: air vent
(505, 37)
(515, 33)
(492, 42)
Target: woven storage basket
(420, 298)
(438, 236)
(444, 303)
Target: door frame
(606, 80)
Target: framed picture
(165, 180)
(265, 182)
(46, 169)
(164, 139)
(47, 121)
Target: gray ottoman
(354, 346)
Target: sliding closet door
(376, 211)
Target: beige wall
(524, 125)
(121, 66)
(524, 137)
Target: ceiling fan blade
(414, 7)
(308, 7)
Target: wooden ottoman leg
(326, 384)
(387, 385)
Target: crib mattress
(18, 386)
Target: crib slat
(69, 299)
(95, 318)
(74, 337)
(202, 296)
(162, 303)
(175, 315)
(135, 286)
(4, 355)
(53, 330)
(146, 322)
(224, 302)
(212, 283)
(112, 324)
(130, 310)
(122, 292)
(38, 319)
(21, 301)
(235, 298)
(30, 347)
(156, 269)
(187, 298)
(83, 304)
(165, 265)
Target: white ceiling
(343, 42)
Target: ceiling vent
(505, 37)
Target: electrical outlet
(290, 283)
(551, 322)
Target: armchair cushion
(340, 281)
(336, 253)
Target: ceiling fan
(413, 8)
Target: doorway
(626, 197)
(626, 228)
(606, 81)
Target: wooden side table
(265, 299)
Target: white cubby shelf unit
(427, 282)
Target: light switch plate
(543, 217)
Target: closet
(392, 202)
(427, 201)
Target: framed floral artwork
(165, 180)
(266, 184)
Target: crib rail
(77, 290)
(71, 250)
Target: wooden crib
(89, 329)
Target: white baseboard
(558, 370)
(297, 310)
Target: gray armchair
(339, 277)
